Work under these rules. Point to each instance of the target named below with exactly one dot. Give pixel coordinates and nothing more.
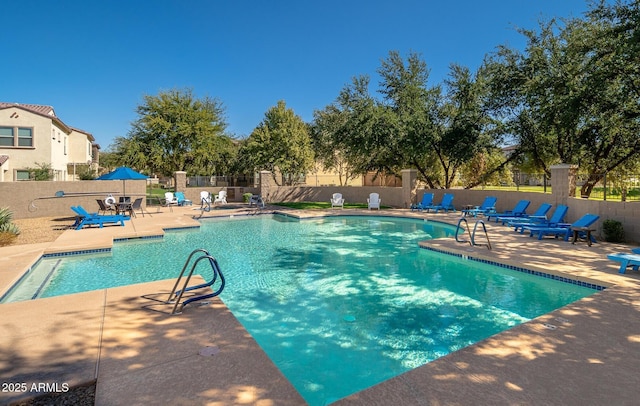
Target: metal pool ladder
(472, 241)
(176, 295)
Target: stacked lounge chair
(540, 214)
(446, 204)
(519, 210)
(487, 207)
(556, 220)
(563, 229)
(425, 204)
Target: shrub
(8, 230)
(246, 197)
(41, 172)
(613, 231)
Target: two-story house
(32, 135)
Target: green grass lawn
(321, 205)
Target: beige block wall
(37, 199)
(234, 194)
(628, 213)
(389, 196)
(18, 196)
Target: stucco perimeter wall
(390, 196)
(37, 199)
(628, 213)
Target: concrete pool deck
(124, 338)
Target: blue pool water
(339, 304)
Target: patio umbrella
(122, 173)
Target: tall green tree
(350, 135)
(411, 124)
(177, 131)
(468, 129)
(110, 160)
(329, 153)
(572, 95)
(415, 107)
(280, 144)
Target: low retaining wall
(628, 213)
(37, 199)
(389, 196)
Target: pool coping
(429, 383)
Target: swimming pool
(339, 304)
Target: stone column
(180, 179)
(409, 187)
(563, 182)
(266, 181)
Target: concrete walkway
(586, 353)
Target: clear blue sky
(93, 61)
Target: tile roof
(36, 108)
(45, 111)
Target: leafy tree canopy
(410, 125)
(177, 131)
(573, 95)
(280, 143)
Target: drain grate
(209, 351)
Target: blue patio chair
(627, 260)
(540, 213)
(427, 201)
(446, 204)
(487, 207)
(182, 201)
(556, 219)
(564, 230)
(519, 210)
(85, 218)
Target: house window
(6, 136)
(8, 139)
(22, 175)
(25, 137)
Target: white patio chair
(374, 201)
(170, 200)
(221, 197)
(337, 200)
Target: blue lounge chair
(519, 210)
(182, 201)
(446, 204)
(564, 229)
(626, 260)
(556, 220)
(539, 214)
(427, 201)
(487, 207)
(85, 218)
